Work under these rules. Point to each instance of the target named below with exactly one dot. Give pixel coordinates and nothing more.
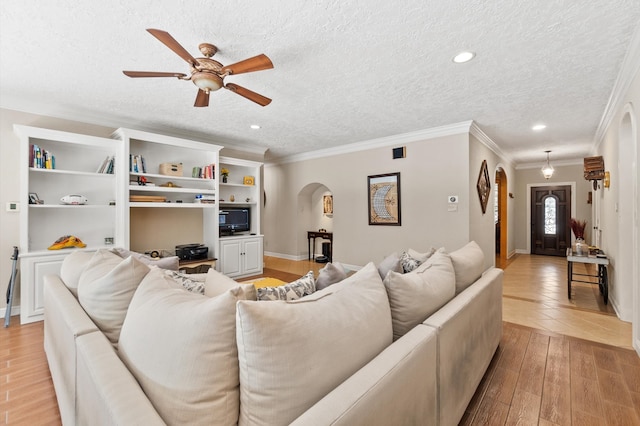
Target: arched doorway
(501, 217)
(315, 212)
(627, 269)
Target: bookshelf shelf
(71, 172)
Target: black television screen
(234, 219)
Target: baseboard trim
(15, 310)
(286, 256)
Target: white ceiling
(345, 71)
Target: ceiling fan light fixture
(463, 57)
(206, 81)
(547, 169)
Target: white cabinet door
(230, 257)
(252, 256)
(241, 256)
(32, 271)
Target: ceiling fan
(208, 75)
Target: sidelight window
(550, 207)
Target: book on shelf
(41, 158)
(137, 164)
(107, 165)
(204, 172)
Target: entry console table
(311, 235)
(601, 275)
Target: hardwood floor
(537, 376)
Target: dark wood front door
(550, 214)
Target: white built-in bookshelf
(55, 164)
(121, 175)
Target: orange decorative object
(67, 241)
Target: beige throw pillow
(181, 347)
(293, 353)
(468, 263)
(217, 283)
(416, 295)
(390, 263)
(106, 287)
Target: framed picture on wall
(327, 204)
(384, 199)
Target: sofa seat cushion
(181, 347)
(106, 287)
(416, 295)
(293, 353)
(468, 263)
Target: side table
(601, 260)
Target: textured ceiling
(345, 71)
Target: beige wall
(533, 177)
(617, 207)
(482, 226)
(432, 170)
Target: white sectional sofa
(406, 349)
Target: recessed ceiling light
(539, 127)
(255, 126)
(463, 57)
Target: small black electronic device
(192, 251)
(232, 220)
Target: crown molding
(85, 117)
(539, 164)
(476, 131)
(420, 135)
(628, 71)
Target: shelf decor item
(225, 174)
(384, 199)
(249, 180)
(581, 247)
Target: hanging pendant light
(547, 169)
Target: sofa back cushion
(293, 353)
(181, 347)
(468, 263)
(105, 288)
(72, 267)
(331, 273)
(416, 295)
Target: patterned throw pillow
(411, 259)
(191, 282)
(408, 263)
(295, 290)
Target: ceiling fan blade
(257, 63)
(172, 44)
(202, 99)
(137, 74)
(252, 96)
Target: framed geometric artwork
(384, 199)
(484, 186)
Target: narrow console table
(601, 275)
(311, 235)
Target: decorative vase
(224, 179)
(582, 249)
